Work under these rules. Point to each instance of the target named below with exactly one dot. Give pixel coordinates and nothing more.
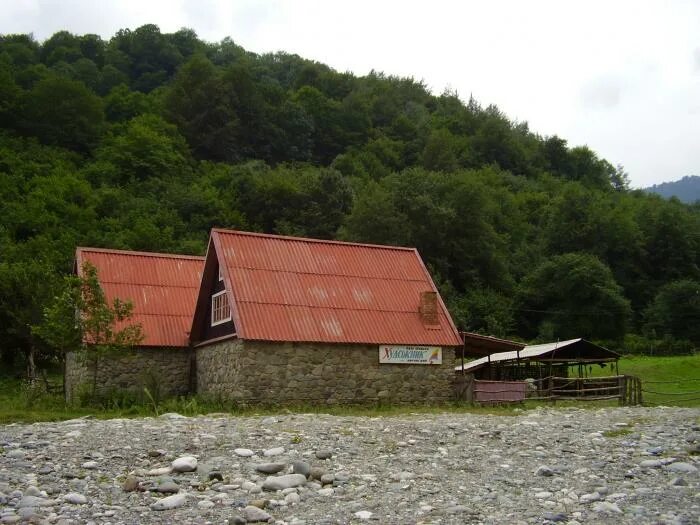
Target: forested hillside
(148, 140)
(686, 189)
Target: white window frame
(221, 275)
(213, 309)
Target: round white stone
(185, 464)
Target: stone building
(163, 290)
(291, 320)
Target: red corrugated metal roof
(294, 289)
(162, 287)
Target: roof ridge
(160, 315)
(334, 307)
(158, 285)
(310, 240)
(557, 343)
(297, 272)
(145, 254)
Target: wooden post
(622, 390)
(639, 391)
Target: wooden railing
(626, 389)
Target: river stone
(33, 501)
(316, 473)
(284, 482)
(324, 454)
(363, 514)
(131, 483)
(682, 467)
(544, 470)
(606, 506)
(243, 452)
(270, 468)
(651, 463)
(168, 487)
(170, 502)
(292, 498)
(216, 476)
(185, 464)
(161, 471)
(254, 514)
(31, 515)
(301, 467)
(555, 517)
(248, 486)
(274, 451)
(678, 482)
(75, 498)
(588, 498)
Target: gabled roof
(573, 350)
(162, 287)
(296, 289)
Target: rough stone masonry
(577, 466)
(253, 372)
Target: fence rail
(626, 389)
(674, 396)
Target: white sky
(621, 76)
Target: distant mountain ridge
(686, 190)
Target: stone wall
(164, 371)
(250, 372)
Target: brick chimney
(428, 308)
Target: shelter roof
(296, 289)
(162, 288)
(571, 351)
(477, 345)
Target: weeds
(617, 432)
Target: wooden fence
(626, 389)
(683, 390)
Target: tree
(147, 147)
(675, 311)
(203, 110)
(573, 295)
(438, 154)
(81, 319)
(63, 112)
(24, 289)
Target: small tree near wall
(81, 319)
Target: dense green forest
(148, 140)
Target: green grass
(680, 376)
(18, 404)
(617, 432)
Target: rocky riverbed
(611, 465)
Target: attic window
(221, 275)
(220, 309)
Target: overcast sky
(622, 77)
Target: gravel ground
(610, 465)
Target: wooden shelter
(539, 361)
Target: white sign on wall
(410, 355)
